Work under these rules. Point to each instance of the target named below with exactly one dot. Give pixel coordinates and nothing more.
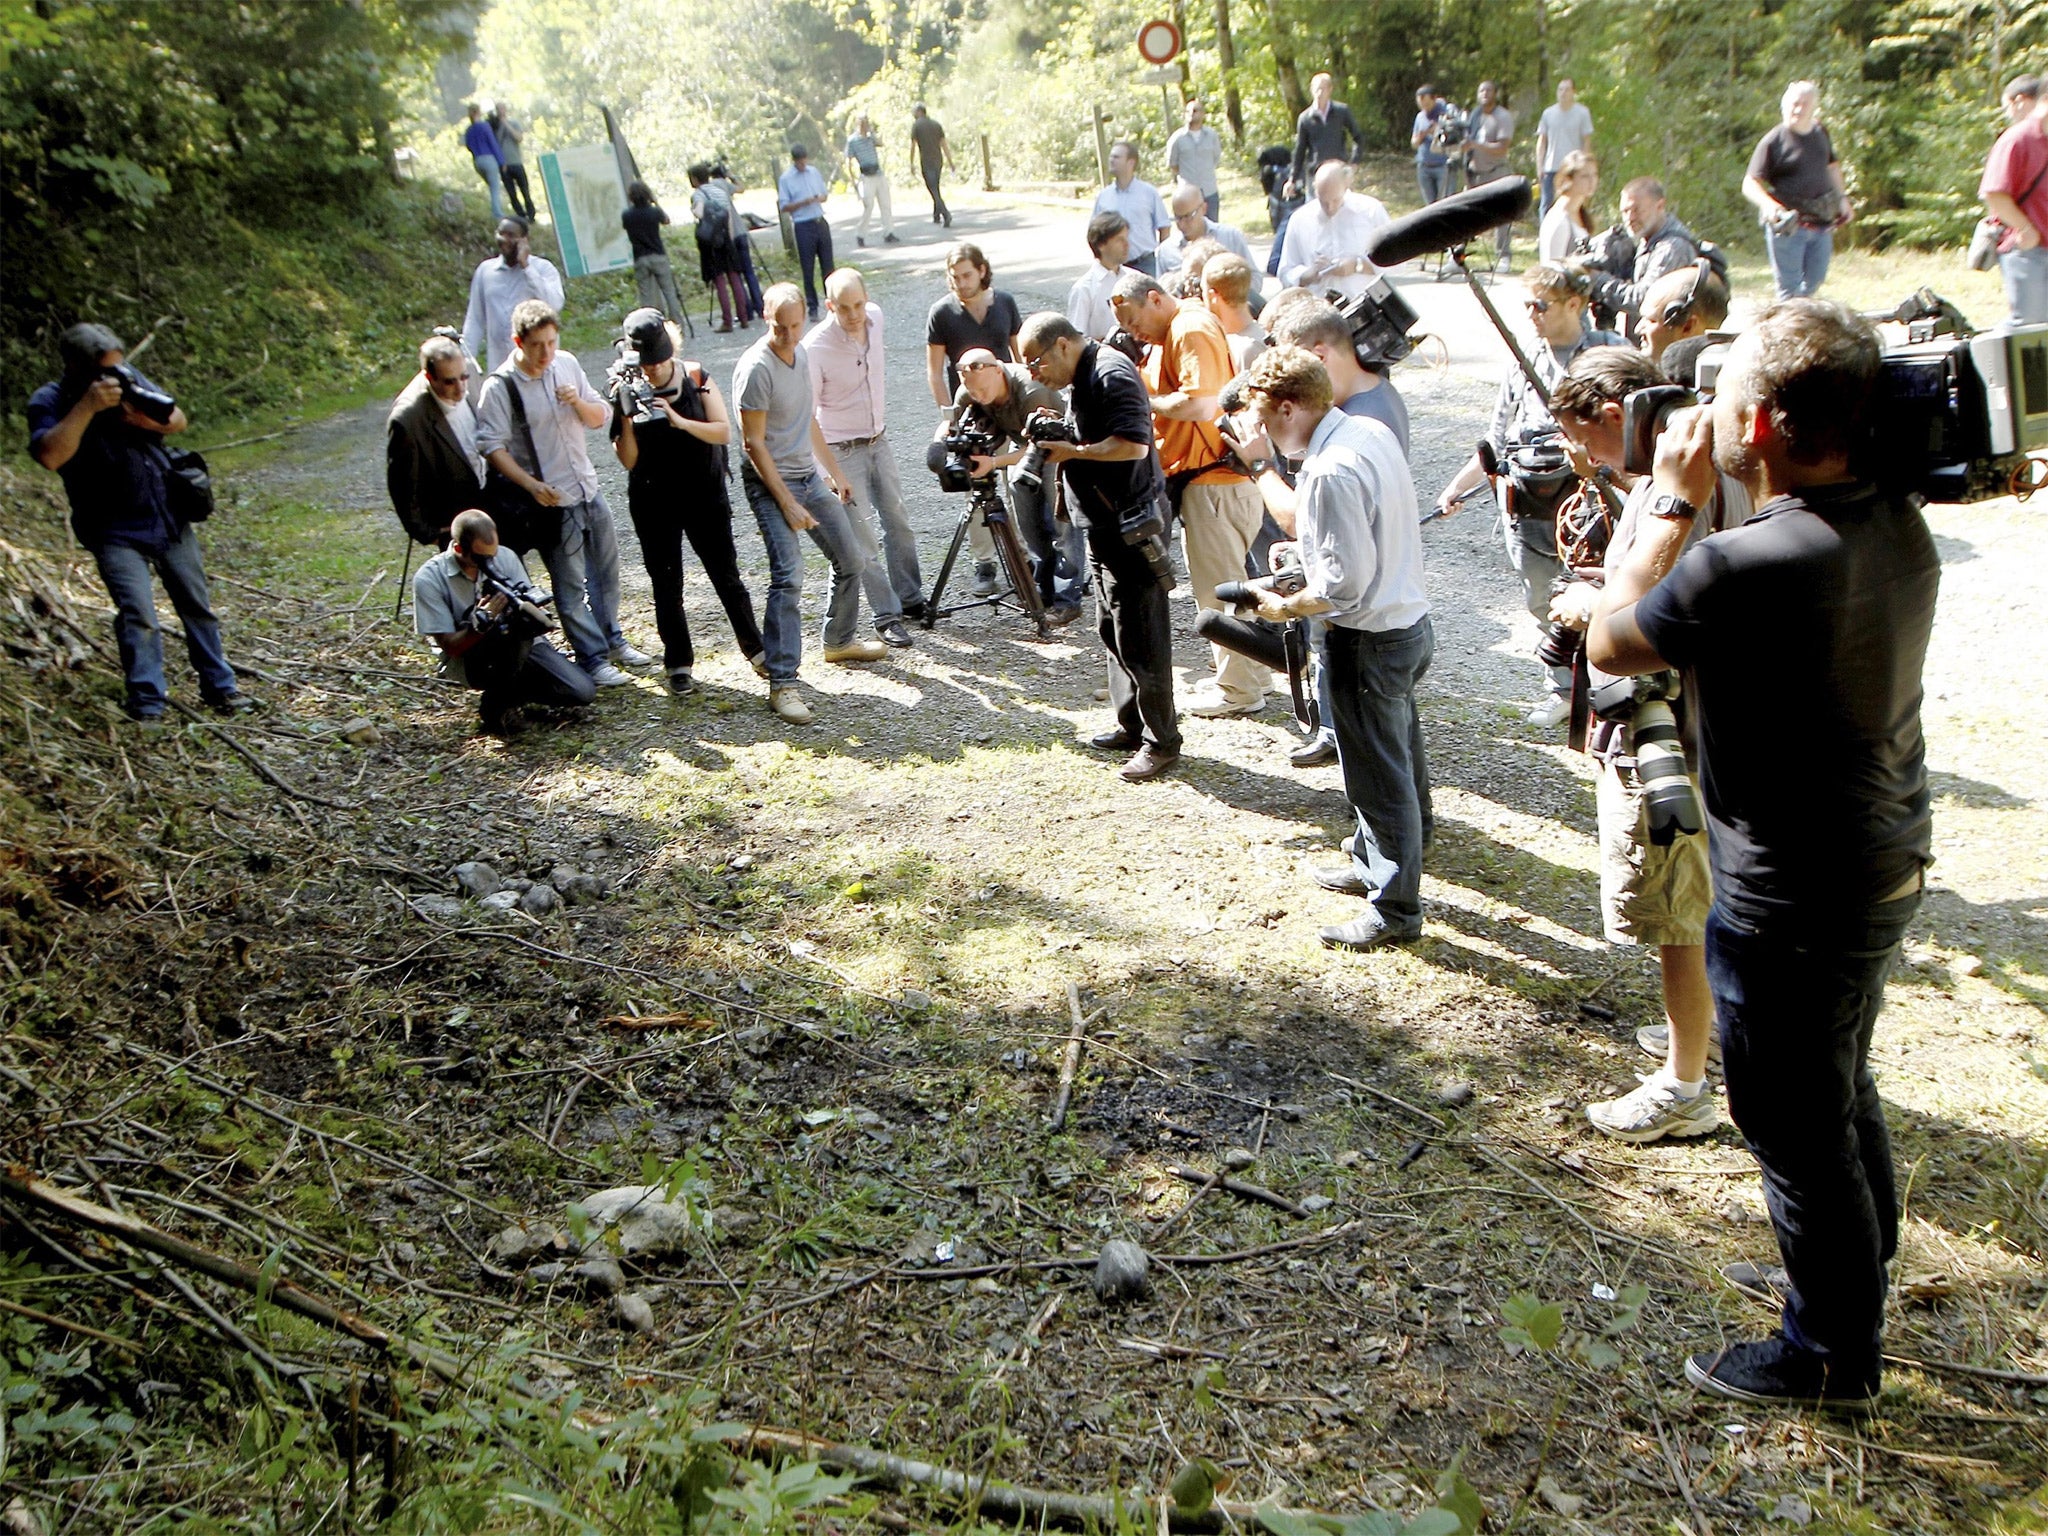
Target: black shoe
(985, 579)
(949, 218)
(231, 704)
(1775, 1370)
(893, 633)
(680, 682)
(1313, 754)
(1368, 932)
(1341, 878)
(1148, 762)
(860, 240)
(1118, 740)
(1772, 1287)
(890, 240)
(918, 611)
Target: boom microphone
(1449, 222)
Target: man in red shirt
(2015, 190)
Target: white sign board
(585, 198)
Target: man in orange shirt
(1187, 363)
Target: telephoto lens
(1672, 804)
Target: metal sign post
(1159, 44)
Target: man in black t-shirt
(1796, 183)
(1112, 472)
(1802, 635)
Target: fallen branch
(50, 1319)
(657, 1021)
(264, 771)
(1957, 1368)
(1070, 1064)
(1239, 1188)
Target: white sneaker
(1550, 712)
(1654, 1111)
(628, 656)
(609, 676)
(1214, 706)
(856, 650)
(789, 704)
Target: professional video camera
(525, 615)
(963, 444)
(1041, 429)
(1453, 127)
(1277, 647)
(626, 383)
(1380, 320)
(137, 394)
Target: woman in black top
(655, 278)
(720, 246)
(675, 487)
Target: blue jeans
(1213, 201)
(870, 468)
(813, 251)
(1549, 179)
(1799, 259)
(747, 275)
(1433, 180)
(487, 167)
(2026, 284)
(850, 548)
(1379, 751)
(1059, 551)
(126, 570)
(1796, 1002)
(584, 567)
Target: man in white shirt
(1361, 555)
(501, 285)
(1190, 224)
(1562, 129)
(1193, 153)
(1088, 311)
(1326, 238)
(539, 444)
(1139, 203)
(848, 395)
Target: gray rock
(441, 909)
(1236, 1159)
(633, 1311)
(576, 887)
(361, 731)
(546, 1274)
(600, 1275)
(1456, 1095)
(539, 900)
(476, 879)
(1313, 1203)
(646, 1224)
(729, 1224)
(1122, 1273)
(915, 1001)
(519, 1245)
(500, 901)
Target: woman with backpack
(718, 259)
(675, 488)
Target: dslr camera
(626, 383)
(1643, 704)
(962, 445)
(137, 394)
(1041, 430)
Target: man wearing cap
(800, 194)
(93, 428)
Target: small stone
(500, 901)
(915, 1001)
(1969, 965)
(600, 1275)
(646, 1223)
(440, 909)
(405, 1253)
(476, 879)
(1313, 1203)
(1792, 1509)
(361, 731)
(729, 1225)
(516, 1245)
(1350, 1157)
(539, 900)
(1122, 1272)
(1237, 1159)
(546, 1274)
(633, 1311)
(576, 887)
(740, 861)
(985, 1285)
(1456, 1095)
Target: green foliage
(1529, 1323)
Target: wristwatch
(1675, 508)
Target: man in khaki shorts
(1650, 893)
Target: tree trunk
(1542, 52)
(1226, 56)
(1180, 25)
(1291, 96)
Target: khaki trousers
(1217, 525)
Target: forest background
(224, 177)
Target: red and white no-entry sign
(1158, 42)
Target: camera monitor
(2013, 362)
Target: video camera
(1277, 647)
(963, 444)
(626, 384)
(525, 616)
(1453, 128)
(138, 396)
(1380, 320)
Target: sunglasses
(1538, 306)
(1032, 365)
(441, 383)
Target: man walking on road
(512, 161)
(1326, 130)
(501, 285)
(864, 156)
(1564, 128)
(800, 194)
(1486, 155)
(1193, 153)
(928, 139)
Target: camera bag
(188, 485)
(524, 524)
(1983, 254)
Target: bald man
(1191, 222)
(1324, 250)
(1679, 305)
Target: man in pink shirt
(849, 390)
(2015, 190)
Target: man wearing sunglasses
(431, 464)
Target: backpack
(714, 221)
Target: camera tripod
(985, 498)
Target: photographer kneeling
(1654, 885)
(1820, 835)
(1361, 561)
(474, 602)
(998, 398)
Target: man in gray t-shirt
(1486, 153)
(1193, 153)
(785, 451)
(864, 159)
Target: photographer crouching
(101, 428)
(1820, 839)
(474, 602)
(1113, 477)
(1360, 547)
(1654, 884)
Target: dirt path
(941, 830)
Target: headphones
(1676, 311)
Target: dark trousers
(517, 192)
(542, 675)
(1379, 751)
(754, 310)
(1796, 1008)
(940, 212)
(702, 515)
(1137, 636)
(814, 250)
(1148, 264)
